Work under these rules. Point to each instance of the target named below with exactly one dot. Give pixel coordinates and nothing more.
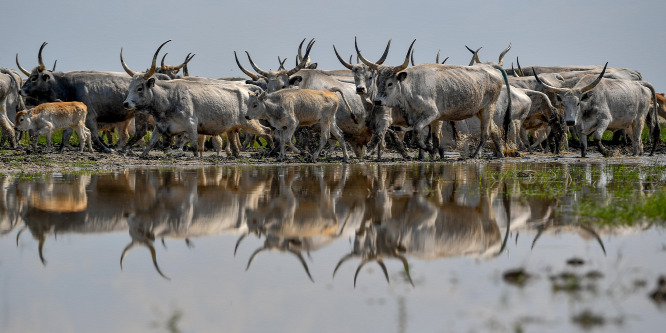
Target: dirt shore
(25, 160)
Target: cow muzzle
(571, 122)
(377, 102)
(360, 90)
(248, 118)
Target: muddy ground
(24, 159)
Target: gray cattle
(102, 92)
(10, 102)
(442, 92)
(287, 109)
(595, 105)
(191, 107)
(357, 134)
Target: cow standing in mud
(429, 93)
(190, 107)
(47, 118)
(594, 105)
(287, 109)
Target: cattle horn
(412, 59)
(39, 57)
(475, 55)
(305, 61)
(548, 87)
(596, 81)
(345, 258)
(348, 65)
(501, 57)
(406, 63)
(281, 63)
(153, 254)
(127, 69)
(520, 70)
(381, 264)
(513, 71)
(23, 70)
(187, 60)
(300, 258)
(162, 63)
(54, 65)
(358, 270)
(362, 58)
(238, 243)
(383, 57)
(256, 69)
(151, 71)
(248, 73)
(254, 255)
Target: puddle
(458, 247)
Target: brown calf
(46, 118)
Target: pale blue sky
(89, 34)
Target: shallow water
(76, 249)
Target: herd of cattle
(358, 105)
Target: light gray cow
(191, 107)
(442, 92)
(287, 109)
(10, 102)
(595, 105)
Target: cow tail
(656, 130)
(507, 113)
(353, 116)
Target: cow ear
(262, 96)
(585, 97)
(401, 76)
(151, 82)
(313, 66)
(295, 81)
(46, 77)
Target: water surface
(414, 248)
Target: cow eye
(34, 78)
(390, 84)
(140, 89)
(255, 105)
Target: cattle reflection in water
(423, 211)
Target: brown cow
(46, 118)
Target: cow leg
(154, 138)
(325, 132)
(400, 143)
(92, 126)
(635, 133)
(582, 138)
(602, 125)
(337, 133)
(8, 130)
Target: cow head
(572, 98)
(140, 92)
(280, 79)
(388, 78)
(256, 105)
(364, 76)
(40, 83)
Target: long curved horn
(345, 258)
(42, 239)
(39, 57)
(406, 63)
(348, 65)
(300, 46)
(549, 88)
(187, 60)
(18, 235)
(475, 55)
(596, 236)
(358, 270)
(443, 62)
(405, 265)
(501, 57)
(596, 81)
(122, 256)
(539, 233)
(153, 254)
(412, 59)
(127, 69)
(151, 71)
(305, 265)
(256, 69)
(238, 243)
(305, 61)
(254, 255)
(362, 58)
(513, 71)
(162, 67)
(23, 70)
(281, 63)
(54, 65)
(437, 57)
(381, 264)
(248, 73)
(383, 57)
(520, 70)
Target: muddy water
(456, 247)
